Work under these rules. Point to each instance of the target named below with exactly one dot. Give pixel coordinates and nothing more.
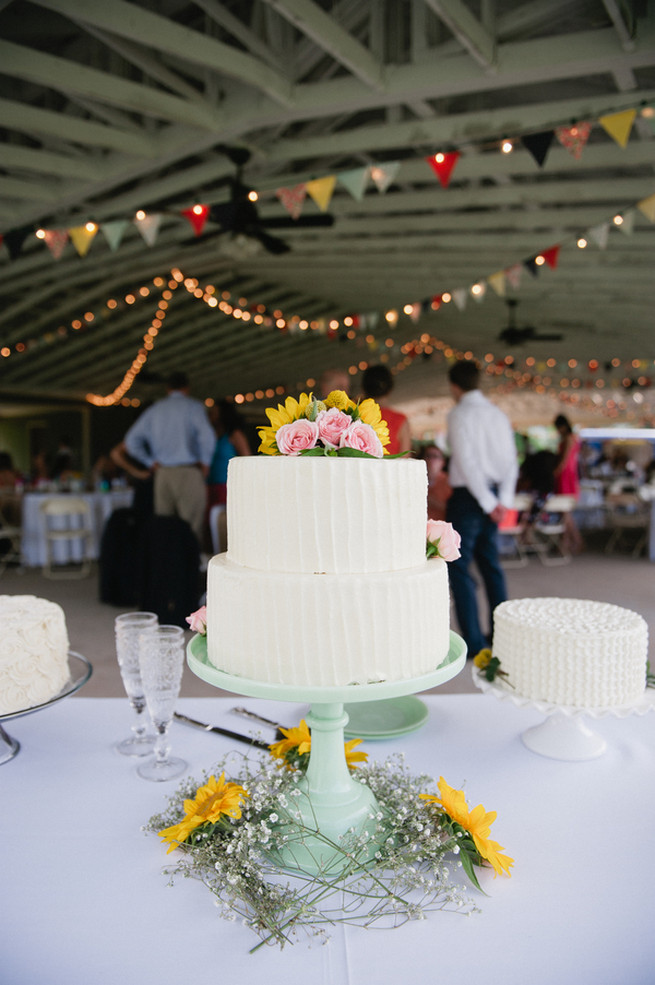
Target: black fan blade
(271, 243)
(304, 221)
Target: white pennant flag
(459, 297)
(600, 234)
(383, 174)
(149, 227)
(627, 225)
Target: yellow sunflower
(477, 822)
(370, 413)
(482, 658)
(299, 741)
(291, 410)
(214, 799)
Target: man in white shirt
(482, 472)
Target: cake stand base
(331, 803)
(564, 737)
(8, 747)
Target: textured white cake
(325, 580)
(33, 652)
(572, 652)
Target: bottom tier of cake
(327, 630)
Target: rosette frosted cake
(325, 580)
(572, 652)
(33, 652)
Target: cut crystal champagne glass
(161, 657)
(128, 627)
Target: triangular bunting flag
(113, 232)
(443, 166)
(574, 138)
(15, 238)
(354, 181)
(551, 256)
(497, 282)
(600, 234)
(459, 297)
(55, 240)
(197, 216)
(531, 265)
(619, 125)
(372, 319)
(415, 313)
(293, 199)
(82, 237)
(647, 206)
(538, 144)
(513, 275)
(149, 227)
(321, 190)
(382, 175)
(435, 302)
(627, 225)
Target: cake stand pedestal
(563, 734)
(80, 671)
(331, 802)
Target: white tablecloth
(84, 899)
(102, 506)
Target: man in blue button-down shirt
(175, 441)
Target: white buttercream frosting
(325, 581)
(33, 652)
(572, 652)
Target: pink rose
(362, 437)
(331, 425)
(297, 436)
(443, 540)
(198, 621)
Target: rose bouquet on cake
(333, 426)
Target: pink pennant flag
(56, 240)
(197, 216)
(513, 275)
(293, 199)
(574, 138)
(443, 166)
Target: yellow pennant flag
(82, 237)
(497, 282)
(647, 206)
(619, 125)
(321, 190)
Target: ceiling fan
(240, 218)
(513, 335)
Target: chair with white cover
(68, 533)
(512, 529)
(550, 529)
(11, 532)
(628, 517)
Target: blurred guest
(9, 476)
(140, 479)
(231, 441)
(62, 467)
(333, 379)
(567, 479)
(377, 383)
(40, 473)
(175, 441)
(10, 486)
(439, 489)
(483, 470)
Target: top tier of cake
(293, 514)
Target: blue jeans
(479, 544)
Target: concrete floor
(623, 580)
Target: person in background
(567, 478)
(62, 467)
(377, 383)
(333, 379)
(482, 471)
(175, 442)
(231, 441)
(439, 490)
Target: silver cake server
(178, 716)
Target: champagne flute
(127, 629)
(161, 658)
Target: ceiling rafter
(467, 29)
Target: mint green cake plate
(332, 802)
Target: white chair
(11, 533)
(550, 528)
(514, 531)
(628, 517)
(67, 521)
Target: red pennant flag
(551, 256)
(197, 216)
(435, 303)
(574, 138)
(443, 165)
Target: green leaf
(467, 865)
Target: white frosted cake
(325, 580)
(33, 652)
(572, 652)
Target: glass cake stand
(563, 734)
(332, 802)
(80, 671)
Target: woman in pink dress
(567, 479)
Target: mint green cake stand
(332, 802)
